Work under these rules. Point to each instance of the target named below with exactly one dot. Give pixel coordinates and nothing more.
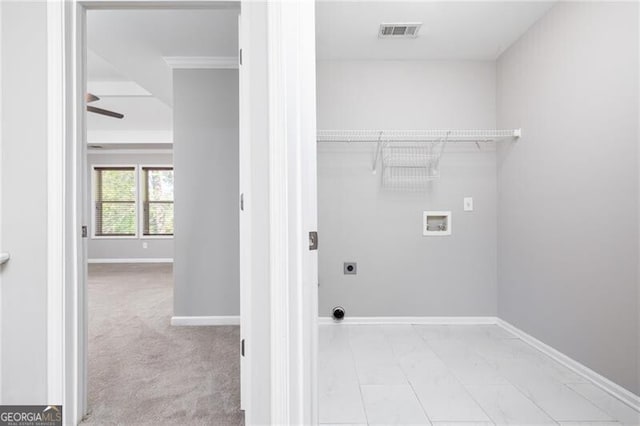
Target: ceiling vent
(399, 30)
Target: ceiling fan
(90, 97)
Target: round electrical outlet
(338, 313)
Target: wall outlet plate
(468, 204)
(350, 268)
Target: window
(157, 199)
(115, 201)
(132, 201)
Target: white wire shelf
(413, 155)
(416, 135)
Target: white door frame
(244, 154)
(293, 210)
(293, 277)
(1, 203)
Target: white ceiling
(129, 45)
(476, 30)
(135, 41)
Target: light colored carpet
(144, 371)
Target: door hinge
(242, 347)
(313, 240)
(242, 202)
(240, 56)
(85, 231)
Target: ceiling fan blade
(104, 112)
(90, 97)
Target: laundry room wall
(568, 190)
(399, 271)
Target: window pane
(159, 185)
(115, 207)
(160, 219)
(118, 185)
(116, 218)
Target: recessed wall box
(350, 268)
(436, 223)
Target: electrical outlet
(468, 204)
(350, 268)
(145, 245)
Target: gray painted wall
(400, 272)
(568, 191)
(126, 248)
(206, 170)
(23, 231)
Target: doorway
(162, 190)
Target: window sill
(114, 237)
(142, 237)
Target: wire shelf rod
(416, 135)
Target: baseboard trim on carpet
(132, 260)
(409, 320)
(577, 367)
(201, 320)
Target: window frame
(139, 210)
(141, 191)
(94, 191)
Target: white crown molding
(132, 260)
(128, 151)
(205, 320)
(201, 62)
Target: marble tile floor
(452, 375)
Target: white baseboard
(409, 320)
(602, 382)
(132, 260)
(220, 320)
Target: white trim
(201, 62)
(597, 379)
(1, 401)
(292, 207)
(132, 260)
(488, 320)
(279, 244)
(244, 154)
(205, 320)
(124, 151)
(76, 321)
(56, 224)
